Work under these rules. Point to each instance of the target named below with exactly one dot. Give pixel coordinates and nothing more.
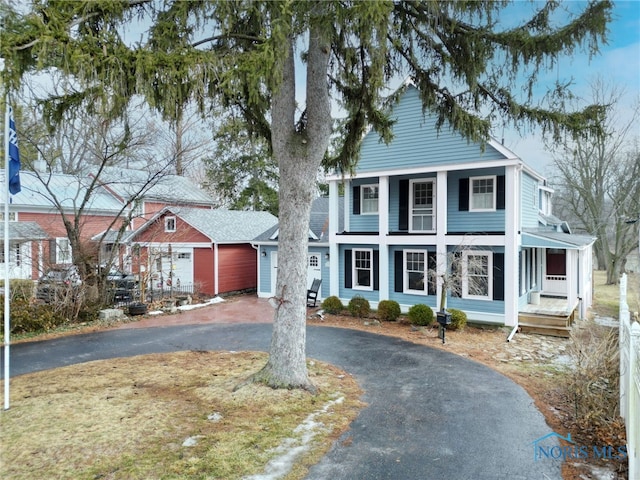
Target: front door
(313, 269)
(555, 279)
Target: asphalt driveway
(431, 415)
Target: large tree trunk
(299, 152)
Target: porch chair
(312, 293)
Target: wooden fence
(630, 380)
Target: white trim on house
(477, 165)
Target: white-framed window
(362, 269)
(477, 268)
(422, 205)
(15, 253)
(369, 199)
(169, 224)
(63, 250)
(415, 271)
(482, 194)
(184, 255)
(13, 216)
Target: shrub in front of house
(359, 306)
(332, 305)
(27, 317)
(420, 314)
(458, 319)
(20, 288)
(388, 310)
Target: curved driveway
(431, 415)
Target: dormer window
(170, 224)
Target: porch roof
(25, 231)
(542, 238)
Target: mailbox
(444, 318)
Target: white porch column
(441, 231)
(511, 245)
(334, 261)
(572, 277)
(383, 237)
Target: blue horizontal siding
(529, 189)
(417, 142)
(458, 221)
(363, 223)
(264, 285)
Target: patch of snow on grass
(290, 448)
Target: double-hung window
(63, 250)
(363, 269)
(369, 199)
(482, 194)
(422, 205)
(477, 282)
(416, 275)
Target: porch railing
(629, 341)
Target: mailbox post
(444, 319)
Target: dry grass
(607, 297)
(128, 418)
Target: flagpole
(7, 308)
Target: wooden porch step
(538, 320)
(556, 326)
(563, 332)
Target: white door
(313, 269)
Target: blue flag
(14, 156)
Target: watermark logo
(554, 446)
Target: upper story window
(369, 199)
(363, 269)
(170, 224)
(482, 194)
(476, 280)
(422, 205)
(63, 250)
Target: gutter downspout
(513, 332)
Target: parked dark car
(122, 286)
(58, 283)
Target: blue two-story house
(431, 207)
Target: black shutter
(432, 265)
(463, 195)
(498, 276)
(398, 271)
(347, 269)
(53, 247)
(403, 207)
(500, 192)
(356, 200)
(456, 275)
(376, 267)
